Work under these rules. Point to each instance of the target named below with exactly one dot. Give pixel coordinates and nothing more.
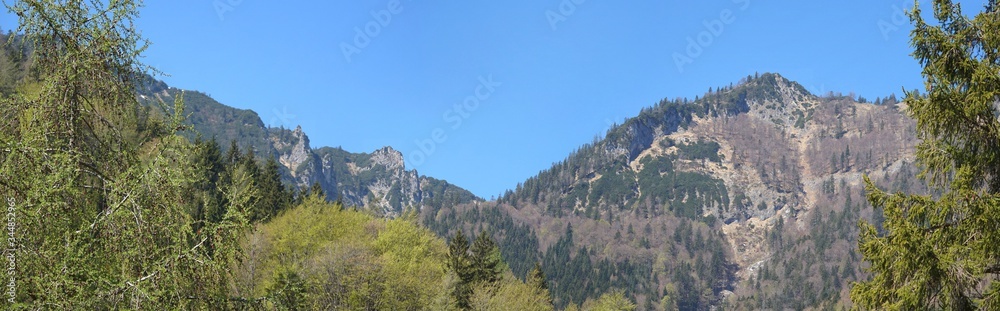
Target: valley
(704, 185)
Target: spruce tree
(536, 278)
(460, 263)
(487, 264)
(274, 197)
(316, 190)
(940, 250)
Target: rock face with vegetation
(698, 203)
(377, 180)
(748, 197)
(749, 179)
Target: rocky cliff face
(736, 163)
(378, 180)
(775, 151)
(297, 157)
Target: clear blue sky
(558, 86)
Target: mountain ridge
(377, 180)
(685, 204)
(688, 182)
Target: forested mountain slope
(746, 197)
(378, 179)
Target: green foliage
(708, 150)
(316, 190)
(613, 301)
(214, 172)
(100, 183)
(13, 62)
(477, 266)
(941, 251)
(684, 193)
(345, 259)
(349, 260)
(288, 291)
(274, 196)
(615, 187)
(460, 263)
(487, 265)
(536, 278)
(206, 116)
(510, 294)
(517, 243)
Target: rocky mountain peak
(392, 159)
(772, 97)
(299, 153)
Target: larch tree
(96, 182)
(942, 250)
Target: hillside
(378, 180)
(123, 192)
(746, 197)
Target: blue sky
(485, 94)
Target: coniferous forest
(124, 193)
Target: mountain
(378, 180)
(747, 197)
(744, 198)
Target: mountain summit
(377, 180)
(691, 199)
(690, 204)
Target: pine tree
(940, 251)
